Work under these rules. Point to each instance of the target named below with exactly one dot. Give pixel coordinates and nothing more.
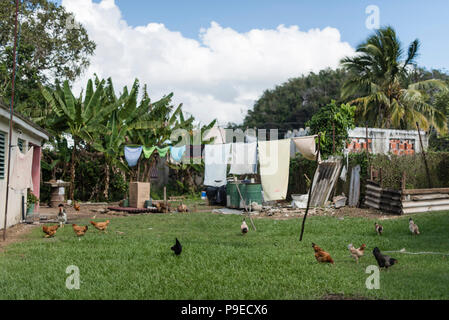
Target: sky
(218, 57)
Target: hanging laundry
(307, 147)
(244, 157)
(216, 159)
(177, 153)
(21, 176)
(132, 155)
(274, 161)
(162, 151)
(250, 138)
(194, 153)
(148, 151)
(343, 174)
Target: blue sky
(222, 55)
(425, 20)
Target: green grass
(219, 263)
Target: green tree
(292, 104)
(380, 77)
(83, 117)
(329, 118)
(51, 46)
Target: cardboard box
(138, 193)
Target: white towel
(274, 159)
(307, 147)
(244, 158)
(216, 159)
(21, 177)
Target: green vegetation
(379, 75)
(332, 120)
(217, 262)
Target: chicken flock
(322, 256)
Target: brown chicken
(79, 230)
(100, 225)
(413, 227)
(162, 208)
(321, 255)
(76, 206)
(182, 208)
(50, 231)
(356, 253)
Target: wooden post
(424, 156)
(165, 198)
(13, 86)
(366, 146)
(404, 177)
(244, 201)
(333, 137)
(310, 189)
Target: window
(2, 154)
(21, 144)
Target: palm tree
(82, 117)
(380, 82)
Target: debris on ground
(339, 201)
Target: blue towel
(132, 155)
(177, 153)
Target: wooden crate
(138, 193)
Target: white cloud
(219, 76)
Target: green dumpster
(232, 195)
(253, 193)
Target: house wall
(15, 197)
(384, 141)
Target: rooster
(321, 255)
(413, 227)
(100, 225)
(79, 230)
(379, 228)
(382, 260)
(50, 231)
(177, 248)
(356, 253)
(62, 215)
(244, 227)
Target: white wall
(15, 197)
(381, 138)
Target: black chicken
(177, 248)
(382, 260)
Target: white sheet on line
(244, 158)
(21, 175)
(216, 159)
(274, 159)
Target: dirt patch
(15, 234)
(284, 213)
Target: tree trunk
(106, 182)
(72, 170)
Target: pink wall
(36, 173)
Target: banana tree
(83, 117)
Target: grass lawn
(219, 263)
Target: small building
(384, 141)
(26, 134)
